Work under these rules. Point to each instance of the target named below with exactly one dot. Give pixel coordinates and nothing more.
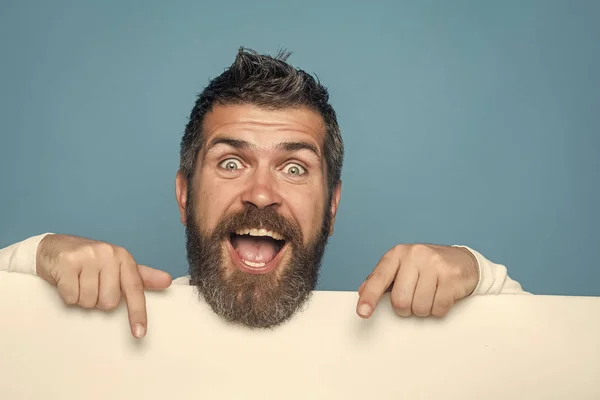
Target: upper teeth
(259, 232)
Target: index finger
(133, 291)
(382, 277)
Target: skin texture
(423, 279)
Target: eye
(294, 169)
(231, 164)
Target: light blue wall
(465, 123)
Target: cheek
(204, 209)
(307, 209)
(212, 201)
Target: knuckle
(122, 253)
(135, 287)
(87, 252)
(69, 298)
(68, 258)
(449, 274)
(420, 310)
(376, 274)
(108, 304)
(87, 303)
(104, 250)
(418, 248)
(436, 258)
(441, 309)
(400, 303)
(68, 293)
(397, 249)
(403, 313)
(421, 251)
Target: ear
(181, 186)
(335, 201)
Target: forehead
(262, 126)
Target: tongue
(255, 249)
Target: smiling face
(258, 211)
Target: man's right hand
(96, 274)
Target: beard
(254, 300)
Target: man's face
(258, 212)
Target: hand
(424, 280)
(95, 274)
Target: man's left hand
(424, 280)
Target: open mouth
(256, 250)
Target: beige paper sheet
(492, 347)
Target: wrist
(472, 270)
(43, 249)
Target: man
(258, 189)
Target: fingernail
(139, 331)
(364, 310)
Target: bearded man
(258, 190)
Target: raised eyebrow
(235, 143)
(244, 145)
(295, 146)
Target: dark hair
(268, 82)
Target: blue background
(465, 122)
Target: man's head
(258, 188)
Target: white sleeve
(21, 256)
(493, 278)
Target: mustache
(253, 217)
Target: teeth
(253, 264)
(259, 232)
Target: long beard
(254, 300)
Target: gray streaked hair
(268, 82)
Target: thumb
(154, 278)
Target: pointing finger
(381, 278)
(133, 290)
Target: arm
(493, 278)
(21, 256)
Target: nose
(262, 190)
